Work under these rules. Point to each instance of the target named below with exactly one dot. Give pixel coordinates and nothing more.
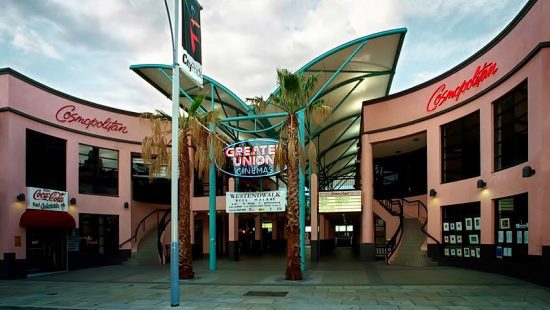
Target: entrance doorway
(46, 249)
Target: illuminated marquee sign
(251, 158)
(340, 201)
(47, 199)
(441, 94)
(68, 114)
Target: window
(150, 190)
(46, 161)
(98, 234)
(511, 227)
(510, 115)
(461, 230)
(460, 148)
(98, 171)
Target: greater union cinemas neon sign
(68, 114)
(441, 94)
(251, 158)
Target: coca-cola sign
(68, 114)
(47, 199)
(441, 94)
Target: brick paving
(343, 284)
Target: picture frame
(453, 252)
(505, 223)
(453, 239)
(474, 239)
(446, 251)
(452, 226)
(458, 226)
(459, 252)
(466, 252)
(477, 223)
(446, 239)
(469, 223)
(459, 239)
(478, 252)
(445, 226)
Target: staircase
(409, 252)
(147, 253)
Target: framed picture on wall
(505, 223)
(469, 223)
(466, 252)
(474, 239)
(453, 252)
(453, 239)
(459, 252)
(446, 239)
(478, 252)
(445, 226)
(452, 226)
(458, 225)
(477, 223)
(459, 239)
(446, 251)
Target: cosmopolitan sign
(68, 114)
(251, 158)
(47, 199)
(441, 94)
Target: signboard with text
(340, 201)
(244, 202)
(47, 199)
(192, 41)
(251, 159)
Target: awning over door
(47, 219)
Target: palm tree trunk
(185, 257)
(293, 267)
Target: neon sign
(251, 158)
(440, 95)
(67, 114)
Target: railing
(423, 228)
(339, 184)
(392, 244)
(141, 225)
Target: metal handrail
(393, 243)
(142, 222)
(423, 228)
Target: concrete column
(367, 249)
(233, 246)
(257, 235)
(314, 197)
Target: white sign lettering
(340, 201)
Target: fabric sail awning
(47, 219)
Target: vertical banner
(192, 41)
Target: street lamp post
(174, 245)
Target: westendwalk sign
(245, 202)
(251, 159)
(191, 41)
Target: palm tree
(156, 153)
(293, 97)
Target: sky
(85, 47)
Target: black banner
(191, 29)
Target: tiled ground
(328, 285)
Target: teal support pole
(212, 194)
(301, 192)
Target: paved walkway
(330, 284)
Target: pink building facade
(484, 128)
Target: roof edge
(33, 82)
(526, 8)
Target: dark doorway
(46, 249)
